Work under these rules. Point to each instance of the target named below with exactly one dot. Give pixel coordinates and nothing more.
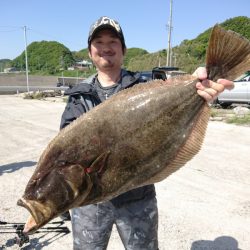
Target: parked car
(166, 72)
(240, 93)
(161, 73)
(146, 76)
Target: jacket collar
(86, 87)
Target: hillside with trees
(51, 57)
(190, 53)
(45, 56)
(81, 55)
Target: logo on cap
(106, 21)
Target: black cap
(108, 23)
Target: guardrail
(10, 90)
(69, 81)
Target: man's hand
(208, 89)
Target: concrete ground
(204, 205)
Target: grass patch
(229, 116)
(65, 99)
(42, 94)
(239, 120)
(214, 113)
(36, 95)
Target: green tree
(4, 63)
(81, 55)
(132, 53)
(48, 56)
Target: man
(135, 212)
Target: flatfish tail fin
(228, 54)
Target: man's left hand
(208, 89)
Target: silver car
(240, 93)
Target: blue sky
(144, 22)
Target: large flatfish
(137, 137)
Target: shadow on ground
(220, 243)
(12, 167)
(40, 239)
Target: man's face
(106, 50)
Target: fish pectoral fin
(98, 166)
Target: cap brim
(104, 26)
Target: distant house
(82, 65)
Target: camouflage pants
(136, 222)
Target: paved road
(205, 205)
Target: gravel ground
(204, 205)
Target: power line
(44, 36)
(9, 28)
(53, 37)
(8, 31)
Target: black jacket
(84, 97)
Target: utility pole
(26, 59)
(169, 50)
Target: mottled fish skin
(129, 147)
(137, 137)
